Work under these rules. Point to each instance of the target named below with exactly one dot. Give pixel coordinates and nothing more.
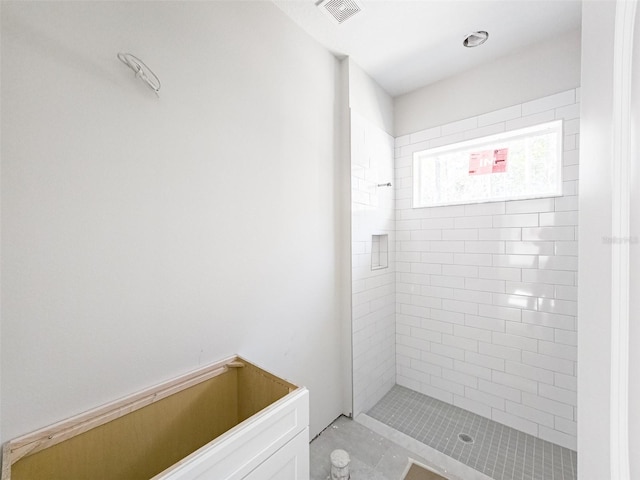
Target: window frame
(491, 142)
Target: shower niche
(379, 251)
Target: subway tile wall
(487, 293)
(373, 287)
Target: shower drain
(463, 437)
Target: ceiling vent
(340, 10)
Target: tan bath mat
(418, 472)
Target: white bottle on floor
(340, 465)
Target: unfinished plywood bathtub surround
(223, 421)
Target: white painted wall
(144, 237)
(343, 213)
(487, 293)
(597, 293)
(369, 99)
(634, 338)
(594, 268)
(545, 68)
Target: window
(515, 165)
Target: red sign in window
(488, 161)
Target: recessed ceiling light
(475, 38)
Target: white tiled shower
(373, 287)
(485, 294)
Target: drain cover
(465, 438)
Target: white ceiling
(407, 44)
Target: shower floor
(498, 451)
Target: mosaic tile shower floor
(498, 451)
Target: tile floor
(498, 451)
(379, 453)
(373, 457)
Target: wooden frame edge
(5, 474)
